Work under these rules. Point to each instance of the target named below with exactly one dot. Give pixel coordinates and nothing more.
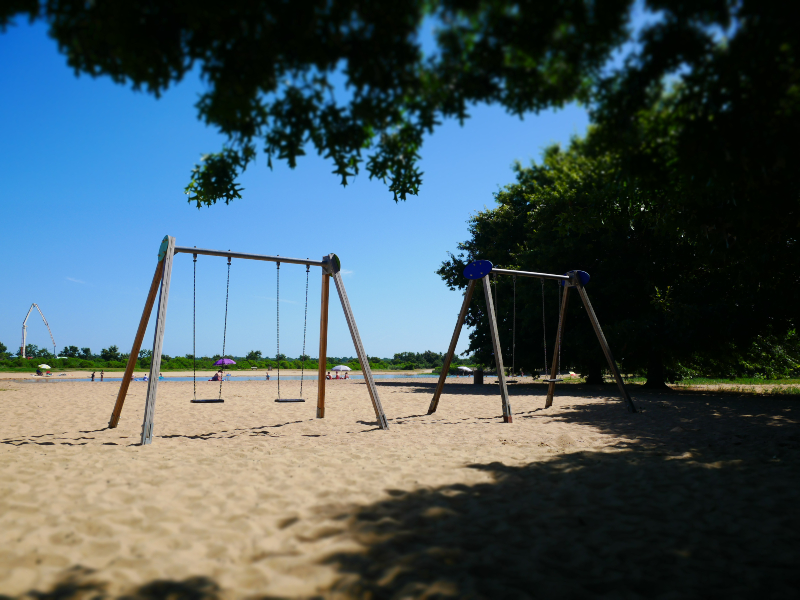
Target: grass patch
(737, 381)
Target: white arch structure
(25, 330)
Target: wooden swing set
(480, 270)
(331, 268)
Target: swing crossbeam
(530, 274)
(247, 256)
(480, 270)
(161, 283)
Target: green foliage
(253, 356)
(110, 354)
(270, 66)
(33, 351)
(664, 297)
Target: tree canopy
(669, 304)
(352, 78)
(682, 202)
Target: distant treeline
(72, 357)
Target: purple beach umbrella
(225, 361)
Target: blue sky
(92, 177)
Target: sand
(696, 496)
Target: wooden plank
(562, 317)
(362, 355)
(137, 345)
(498, 354)
(158, 344)
(452, 349)
(323, 344)
(612, 364)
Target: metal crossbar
(523, 274)
(266, 257)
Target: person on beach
(267, 376)
(345, 376)
(92, 375)
(102, 374)
(39, 372)
(328, 376)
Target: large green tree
(664, 298)
(350, 79)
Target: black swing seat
(199, 401)
(553, 380)
(289, 400)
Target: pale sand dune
(697, 495)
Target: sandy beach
(696, 496)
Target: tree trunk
(594, 374)
(656, 374)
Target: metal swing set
(480, 270)
(331, 268)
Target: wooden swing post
(452, 349)
(158, 341)
(323, 344)
(334, 267)
(137, 345)
(612, 364)
(498, 354)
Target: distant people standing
(267, 376)
(92, 375)
(102, 373)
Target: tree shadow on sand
(621, 524)
(79, 583)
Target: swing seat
(210, 400)
(553, 380)
(289, 400)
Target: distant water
(273, 377)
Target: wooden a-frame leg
(362, 355)
(137, 345)
(551, 388)
(158, 344)
(498, 355)
(323, 344)
(452, 349)
(612, 364)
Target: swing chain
(278, 327)
(561, 333)
(194, 328)
(305, 324)
(544, 329)
(514, 331)
(225, 328)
